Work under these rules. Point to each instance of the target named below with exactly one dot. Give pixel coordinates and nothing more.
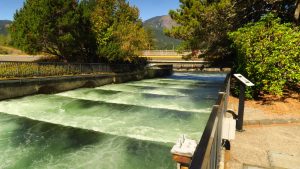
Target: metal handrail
(199, 65)
(179, 61)
(164, 53)
(207, 153)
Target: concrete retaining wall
(24, 87)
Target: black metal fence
(37, 69)
(207, 154)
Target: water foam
(140, 130)
(130, 121)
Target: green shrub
(5, 39)
(3, 52)
(268, 53)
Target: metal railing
(178, 65)
(37, 69)
(164, 53)
(207, 153)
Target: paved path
(19, 58)
(270, 141)
(266, 146)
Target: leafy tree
(269, 55)
(118, 30)
(268, 52)
(5, 40)
(80, 31)
(129, 29)
(253, 10)
(297, 11)
(49, 26)
(204, 24)
(85, 35)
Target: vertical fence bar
(69, 71)
(80, 68)
(38, 69)
(18, 71)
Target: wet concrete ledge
(29, 86)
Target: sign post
(243, 84)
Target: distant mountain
(156, 25)
(4, 24)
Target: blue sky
(151, 8)
(8, 8)
(148, 8)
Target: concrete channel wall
(30, 86)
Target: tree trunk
(297, 12)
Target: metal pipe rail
(178, 61)
(207, 153)
(37, 69)
(198, 65)
(164, 53)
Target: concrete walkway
(271, 140)
(20, 58)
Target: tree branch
(297, 12)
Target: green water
(118, 126)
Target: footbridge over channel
(190, 66)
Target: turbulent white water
(131, 125)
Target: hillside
(5, 50)
(156, 25)
(4, 24)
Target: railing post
(240, 121)
(220, 116)
(243, 83)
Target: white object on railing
(228, 128)
(243, 80)
(184, 147)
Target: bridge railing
(207, 153)
(36, 69)
(179, 65)
(164, 53)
